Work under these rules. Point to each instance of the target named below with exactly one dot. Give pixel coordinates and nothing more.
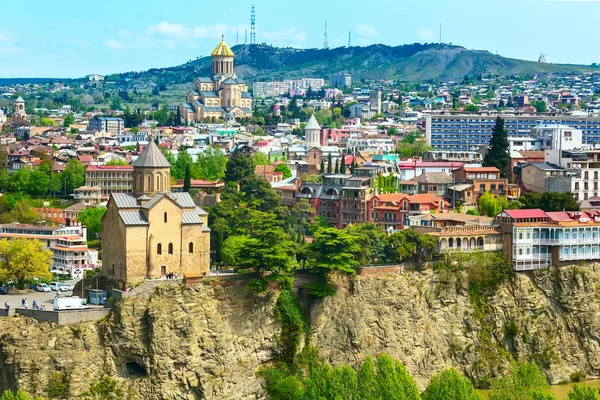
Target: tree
(524, 381)
(38, 184)
(19, 395)
(337, 167)
(497, 154)
(115, 103)
(540, 106)
(552, 201)
(239, 166)
(258, 194)
(450, 384)
(530, 200)
(584, 393)
(104, 388)
(74, 175)
(211, 164)
(260, 159)
(322, 167)
(69, 119)
(329, 166)
(334, 250)
(117, 162)
(22, 260)
(287, 172)
(392, 131)
(343, 165)
(490, 205)
(187, 180)
(370, 239)
(471, 108)
(91, 217)
(178, 169)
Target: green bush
(58, 386)
(576, 377)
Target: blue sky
(73, 38)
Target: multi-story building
(110, 179)
(70, 254)
(110, 126)
(471, 182)
(304, 84)
(469, 131)
(340, 80)
(270, 89)
(535, 239)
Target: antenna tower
(253, 26)
(349, 38)
(246, 36)
(237, 36)
(326, 40)
(440, 33)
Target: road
(45, 298)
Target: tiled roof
(526, 213)
(123, 200)
(132, 218)
(151, 157)
(109, 168)
(190, 218)
(312, 124)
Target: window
(159, 248)
(170, 248)
(165, 217)
(191, 247)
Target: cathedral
(222, 95)
(153, 232)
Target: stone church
(153, 232)
(222, 95)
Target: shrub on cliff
(524, 381)
(584, 393)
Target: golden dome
(222, 50)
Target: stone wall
(64, 317)
(7, 313)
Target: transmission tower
(253, 26)
(326, 40)
(349, 39)
(237, 36)
(246, 36)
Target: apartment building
(70, 254)
(269, 89)
(340, 80)
(469, 131)
(110, 125)
(535, 239)
(471, 182)
(110, 179)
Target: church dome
(222, 50)
(151, 157)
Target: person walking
(34, 305)
(7, 306)
(25, 304)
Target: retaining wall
(64, 317)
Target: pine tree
(497, 154)
(187, 180)
(329, 170)
(337, 167)
(343, 165)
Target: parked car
(55, 286)
(42, 287)
(66, 287)
(3, 290)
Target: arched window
(165, 217)
(159, 248)
(191, 247)
(148, 185)
(141, 182)
(170, 248)
(158, 183)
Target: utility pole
(326, 40)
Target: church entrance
(163, 270)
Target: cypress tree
(329, 164)
(187, 180)
(497, 154)
(337, 167)
(322, 170)
(343, 165)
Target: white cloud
(425, 34)
(114, 44)
(178, 31)
(365, 31)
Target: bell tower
(151, 172)
(222, 60)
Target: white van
(69, 303)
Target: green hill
(415, 62)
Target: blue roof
(211, 95)
(246, 95)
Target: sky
(74, 38)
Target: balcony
(579, 256)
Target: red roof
(429, 164)
(481, 169)
(526, 213)
(559, 216)
(110, 168)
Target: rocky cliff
(206, 341)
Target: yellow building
(153, 232)
(222, 95)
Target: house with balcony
(536, 239)
(388, 211)
(110, 179)
(472, 182)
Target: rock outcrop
(207, 341)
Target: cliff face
(206, 342)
